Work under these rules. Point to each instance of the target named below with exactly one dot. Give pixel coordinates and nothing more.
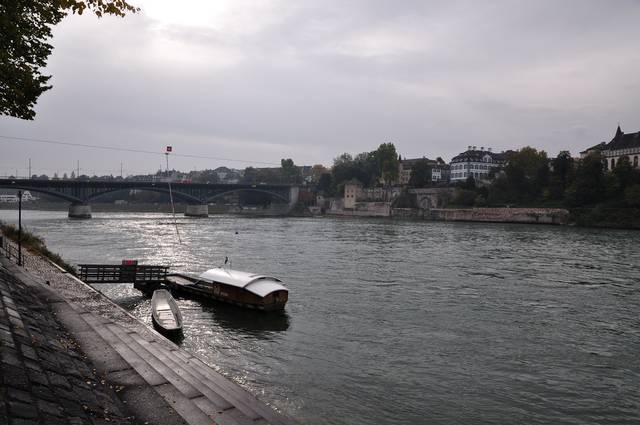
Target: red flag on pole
(169, 148)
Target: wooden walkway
(119, 273)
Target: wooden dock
(143, 277)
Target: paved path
(62, 363)
(45, 378)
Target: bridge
(197, 196)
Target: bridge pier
(196, 210)
(78, 210)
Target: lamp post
(20, 228)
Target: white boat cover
(255, 283)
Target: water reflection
(256, 323)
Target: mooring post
(20, 228)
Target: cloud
(263, 80)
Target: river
(399, 322)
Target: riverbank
(45, 376)
(501, 215)
(143, 377)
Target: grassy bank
(35, 245)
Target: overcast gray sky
(264, 80)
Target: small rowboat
(165, 313)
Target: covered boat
(233, 286)
(165, 313)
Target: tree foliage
(388, 162)
(420, 174)
(588, 187)
(527, 172)
(290, 173)
(25, 28)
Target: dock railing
(8, 249)
(119, 273)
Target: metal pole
(20, 228)
(29, 176)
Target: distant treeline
(530, 178)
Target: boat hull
(165, 314)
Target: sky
(247, 82)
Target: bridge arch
(70, 198)
(273, 194)
(176, 194)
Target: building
(441, 172)
(621, 145)
(11, 199)
(439, 169)
(352, 193)
(476, 163)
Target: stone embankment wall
(501, 215)
(362, 209)
(406, 213)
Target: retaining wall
(501, 215)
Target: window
(635, 161)
(613, 163)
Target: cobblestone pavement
(44, 376)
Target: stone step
(218, 393)
(133, 390)
(163, 369)
(216, 405)
(211, 403)
(235, 394)
(174, 397)
(228, 396)
(148, 373)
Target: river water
(399, 322)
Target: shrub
(36, 245)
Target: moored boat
(244, 289)
(165, 313)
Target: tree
(420, 174)
(204, 176)
(289, 171)
(317, 171)
(25, 27)
(363, 168)
(469, 183)
(527, 172)
(387, 162)
(561, 174)
(588, 187)
(464, 197)
(325, 184)
(632, 196)
(250, 175)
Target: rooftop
(620, 141)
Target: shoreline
(44, 275)
(602, 218)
